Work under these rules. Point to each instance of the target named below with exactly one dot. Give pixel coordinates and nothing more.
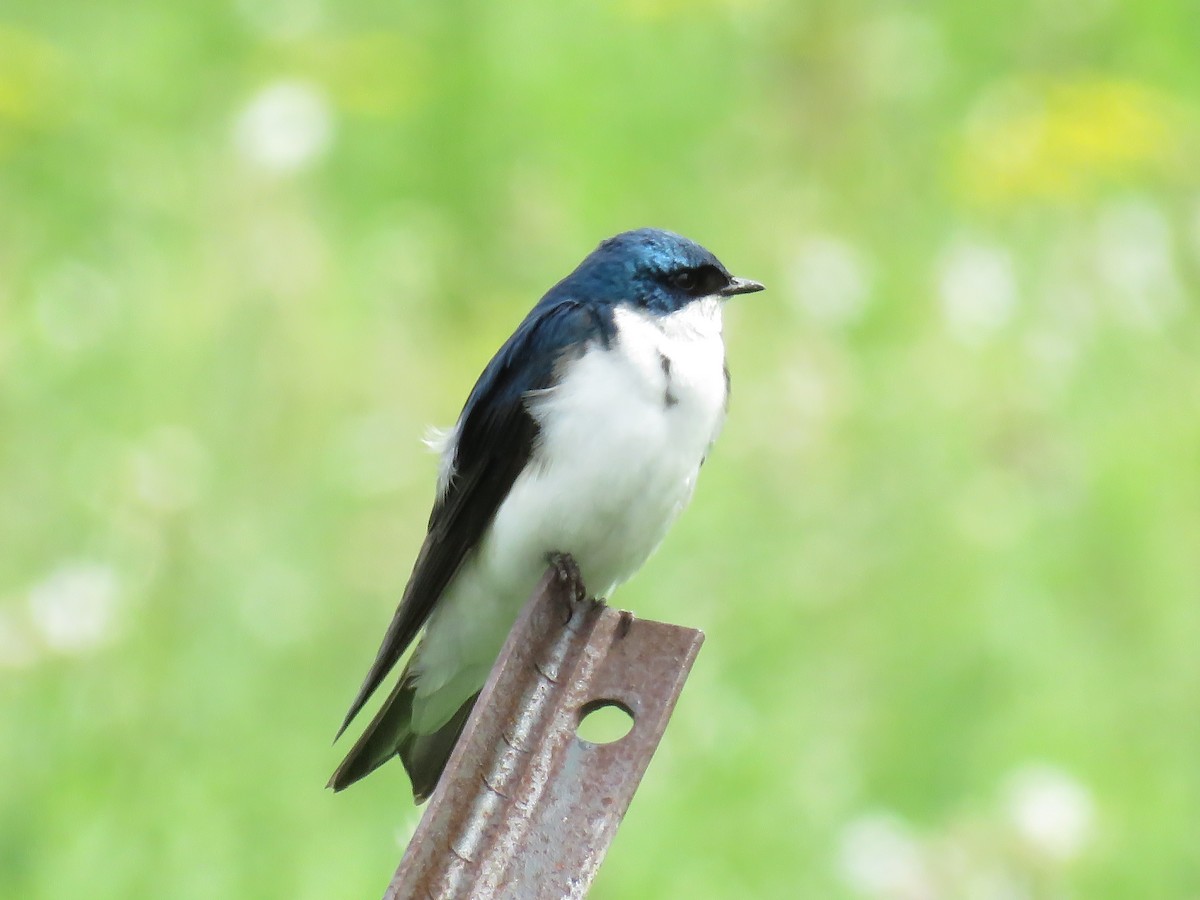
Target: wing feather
(495, 438)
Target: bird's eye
(685, 280)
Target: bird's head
(655, 270)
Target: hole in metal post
(604, 721)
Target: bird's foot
(569, 575)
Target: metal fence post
(526, 809)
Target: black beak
(740, 286)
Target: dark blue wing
(496, 437)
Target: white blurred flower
(74, 609)
(829, 280)
(74, 305)
(285, 127)
(17, 648)
(978, 290)
(169, 469)
(1135, 258)
(1050, 810)
(878, 856)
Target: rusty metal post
(526, 809)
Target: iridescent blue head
(655, 270)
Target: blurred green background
(947, 553)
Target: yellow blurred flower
(1035, 139)
(31, 75)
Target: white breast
(622, 438)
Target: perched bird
(583, 436)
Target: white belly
(622, 439)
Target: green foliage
(946, 552)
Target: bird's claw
(568, 574)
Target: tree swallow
(583, 436)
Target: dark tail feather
(390, 734)
(380, 741)
(425, 755)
